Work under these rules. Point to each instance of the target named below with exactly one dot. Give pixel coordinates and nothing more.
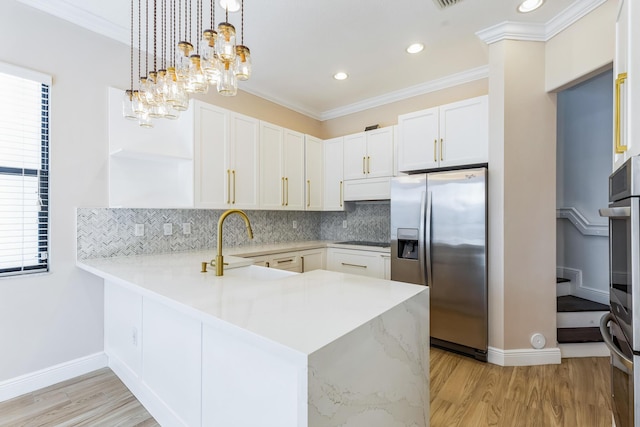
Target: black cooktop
(359, 243)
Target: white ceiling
(297, 45)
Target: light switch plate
(168, 229)
(186, 228)
(139, 230)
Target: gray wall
(105, 232)
(584, 164)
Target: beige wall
(582, 50)
(522, 197)
(387, 115)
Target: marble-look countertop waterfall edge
(302, 312)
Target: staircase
(578, 323)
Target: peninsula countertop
(303, 312)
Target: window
(24, 171)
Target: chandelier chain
(242, 22)
(146, 39)
(155, 36)
(139, 37)
(131, 56)
(213, 14)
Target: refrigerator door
(458, 257)
(408, 206)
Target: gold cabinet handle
(308, 193)
(368, 165)
(346, 264)
(286, 182)
(435, 150)
(282, 195)
(341, 194)
(302, 267)
(267, 264)
(441, 149)
(619, 82)
(228, 186)
(233, 173)
(364, 171)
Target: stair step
(569, 303)
(579, 335)
(562, 280)
(579, 319)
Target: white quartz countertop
(303, 312)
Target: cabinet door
(355, 156)
(123, 327)
(293, 151)
(380, 153)
(464, 132)
(333, 169)
(212, 167)
(271, 167)
(621, 66)
(245, 160)
(289, 261)
(313, 170)
(418, 144)
(172, 359)
(312, 259)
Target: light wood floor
(464, 393)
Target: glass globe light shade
(127, 106)
(243, 63)
(226, 42)
(228, 83)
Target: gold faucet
(219, 258)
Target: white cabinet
(333, 174)
(355, 261)
(368, 164)
(226, 159)
(312, 259)
(369, 154)
(386, 266)
(149, 167)
(281, 168)
(123, 328)
(172, 359)
(313, 149)
(296, 261)
(449, 135)
(626, 68)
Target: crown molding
(570, 15)
(510, 30)
(399, 95)
(314, 114)
(82, 18)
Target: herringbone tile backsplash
(107, 232)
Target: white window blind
(24, 174)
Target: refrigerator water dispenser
(408, 243)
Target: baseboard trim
(33, 381)
(587, 349)
(524, 357)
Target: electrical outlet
(344, 223)
(168, 229)
(134, 336)
(186, 228)
(139, 230)
(295, 224)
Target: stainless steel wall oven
(621, 327)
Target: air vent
(446, 3)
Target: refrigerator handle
(421, 237)
(427, 242)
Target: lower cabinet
(298, 261)
(354, 261)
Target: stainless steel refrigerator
(439, 239)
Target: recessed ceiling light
(415, 48)
(232, 5)
(340, 76)
(529, 5)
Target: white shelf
(147, 156)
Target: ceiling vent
(445, 3)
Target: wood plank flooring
(464, 393)
(96, 399)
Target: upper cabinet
(626, 67)
(333, 174)
(369, 154)
(281, 168)
(226, 158)
(450, 135)
(313, 173)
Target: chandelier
(191, 59)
